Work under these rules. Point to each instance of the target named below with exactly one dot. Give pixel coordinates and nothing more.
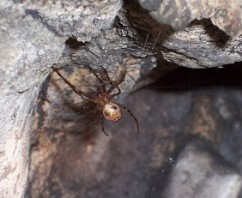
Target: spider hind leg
(132, 115)
(102, 125)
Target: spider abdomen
(112, 112)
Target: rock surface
(38, 35)
(32, 39)
(224, 14)
(199, 172)
(183, 117)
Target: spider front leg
(76, 90)
(100, 80)
(120, 76)
(112, 83)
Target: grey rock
(178, 14)
(202, 173)
(35, 35)
(32, 39)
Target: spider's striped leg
(132, 115)
(102, 124)
(100, 80)
(77, 91)
(113, 84)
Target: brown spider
(111, 111)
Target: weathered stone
(170, 114)
(201, 172)
(37, 35)
(225, 14)
(32, 38)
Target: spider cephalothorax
(111, 111)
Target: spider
(108, 109)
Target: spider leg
(102, 124)
(115, 94)
(107, 76)
(77, 91)
(100, 80)
(121, 75)
(113, 84)
(132, 115)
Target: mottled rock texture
(33, 36)
(190, 143)
(198, 171)
(225, 14)
(37, 35)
